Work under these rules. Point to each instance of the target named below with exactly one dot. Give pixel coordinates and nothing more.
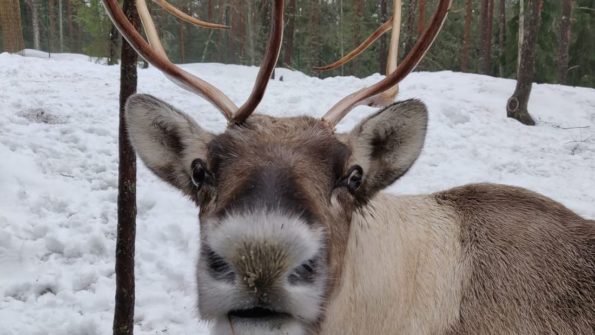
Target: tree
(421, 23)
(516, 107)
(10, 22)
(501, 36)
(410, 32)
(467, 35)
(564, 43)
(487, 17)
(291, 11)
(34, 5)
(126, 230)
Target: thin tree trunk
(52, 25)
(383, 50)
(126, 230)
(60, 26)
(517, 104)
(410, 34)
(291, 12)
(182, 42)
(210, 10)
(521, 36)
(467, 35)
(357, 27)
(487, 16)
(564, 44)
(501, 37)
(34, 4)
(250, 32)
(114, 37)
(70, 26)
(10, 22)
(421, 23)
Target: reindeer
(296, 237)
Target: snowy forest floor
(58, 177)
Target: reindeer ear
(166, 140)
(387, 143)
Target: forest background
(480, 36)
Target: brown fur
(308, 148)
(532, 263)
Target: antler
(367, 95)
(154, 53)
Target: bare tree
(126, 232)
(564, 42)
(10, 22)
(516, 107)
(410, 32)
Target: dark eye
(353, 179)
(200, 174)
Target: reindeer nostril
(304, 273)
(218, 267)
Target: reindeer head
(276, 195)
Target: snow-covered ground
(58, 177)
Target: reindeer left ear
(168, 141)
(387, 143)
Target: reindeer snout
(261, 265)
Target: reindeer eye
(353, 179)
(200, 174)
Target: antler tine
(340, 109)
(185, 17)
(268, 64)
(387, 97)
(385, 27)
(157, 57)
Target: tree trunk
(51, 25)
(410, 34)
(291, 12)
(182, 43)
(564, 44)
(60, 26)
(467, 35)
(421, 23)
(383, 50)
(357, 28)
(70, 26)
(501, 37)
(10, 22)
(114, 36)
(487, 17)
(521, 36)
(126, 231)
(250, 32)
(517, 104)
(34, 4)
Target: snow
(58, 176)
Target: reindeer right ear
(166, 140)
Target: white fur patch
(299, 241)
